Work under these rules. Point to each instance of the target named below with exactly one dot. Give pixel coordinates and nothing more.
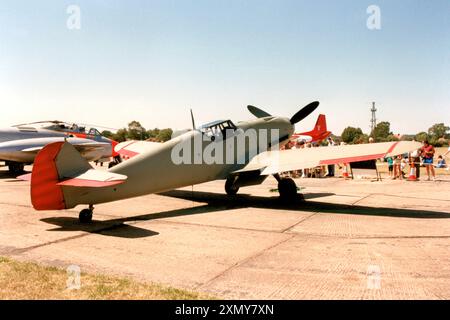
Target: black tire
(111, 164)
(16, 167)
(85, 216)
(287, 189)
(230, 187)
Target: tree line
(135, 131)
(438, 135)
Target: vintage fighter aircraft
(316, 135)
(62, 179)
(20, 144)
(130, 149)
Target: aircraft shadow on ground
(11, 177)
(214, 202)
(112, 228)
(118, 228)
(248, 201)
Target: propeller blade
(258, 112)
(304, 112)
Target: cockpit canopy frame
(217, 128)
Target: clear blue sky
(152, 60)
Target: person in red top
(427, 154)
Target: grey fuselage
(21, 144)
(155, 170)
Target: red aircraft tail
(61, 176)
(319, 133)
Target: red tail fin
(59, 167)
(319, 133)
(321, 125)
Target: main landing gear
(86, 214)
(287, 189)
(230, 186)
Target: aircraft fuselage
(156, 171)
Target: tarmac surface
(349, 239)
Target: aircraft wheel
(287, 189)
(230, 186)
(111, 164)
(85, 216)
(16, 167)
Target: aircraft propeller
(299, 116)
(304, 112)
(257, 112)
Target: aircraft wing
(271, 162)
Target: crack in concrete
(361, 199)
(299, 222)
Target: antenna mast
(373, 121)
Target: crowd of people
(423, 157)
(316, 172)
(398, 166)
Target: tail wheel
(287, 189)
(230, 186)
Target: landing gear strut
(230, 186)
(86, 214)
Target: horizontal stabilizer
(24, 177)
(94, 179)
